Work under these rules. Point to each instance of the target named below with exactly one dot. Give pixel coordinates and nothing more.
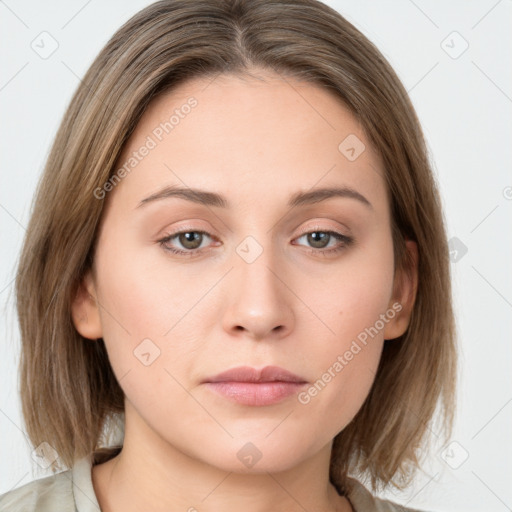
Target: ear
(85, 311)
(405, 286)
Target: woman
(237, 248)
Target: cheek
(147, 291)
(157, 320)
(143, 308)
(355, 293)
(354, 304)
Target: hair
(67, 386)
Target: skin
(256, 141)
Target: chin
(257, 456)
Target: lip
(249, 374)
(250, 386)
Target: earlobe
(85, 311)
(404, 294)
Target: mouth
(249, 386)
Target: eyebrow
(207, 198)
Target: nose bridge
(258, 301)
(255, 267)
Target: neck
(154, 475)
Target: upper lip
(249, 374)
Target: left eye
(320, 239)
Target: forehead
(260, 135)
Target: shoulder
(41, 495)
(363, 500)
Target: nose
(258, 300)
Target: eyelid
(318, 227)
(186, 226)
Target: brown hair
(68, 388)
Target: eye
(191, 240)
(320, 239)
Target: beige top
(72, 491)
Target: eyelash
(346, 241)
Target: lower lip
(256, 393)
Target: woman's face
(271, 274)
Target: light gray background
(464, 102)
